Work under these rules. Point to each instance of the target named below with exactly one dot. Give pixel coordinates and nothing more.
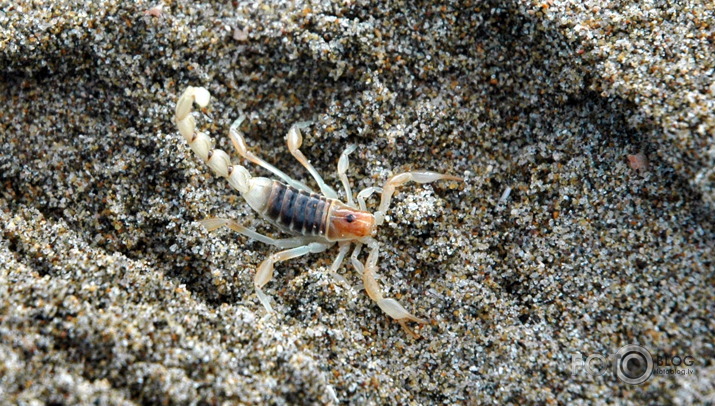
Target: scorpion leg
(359, 268)
(239, 143)
(366, 193)
(390, 306)
(294, 139)
(214, 223)
(344, 248)
(342, 169)
(265, 269)
(401, 179)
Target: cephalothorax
(317, 222)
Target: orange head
(345, 223)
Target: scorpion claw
(388, 305)
(264, 299)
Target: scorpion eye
(350, 218)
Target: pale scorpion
(316, 221)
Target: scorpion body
(301, 212)
(315, 221)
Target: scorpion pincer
(315, 221)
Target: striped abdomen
(297, 210)
(311, 214)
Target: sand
(584, 131)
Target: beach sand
(584, 131)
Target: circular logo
(633, 364)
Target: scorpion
(315, 221)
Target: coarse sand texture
(584, 132)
